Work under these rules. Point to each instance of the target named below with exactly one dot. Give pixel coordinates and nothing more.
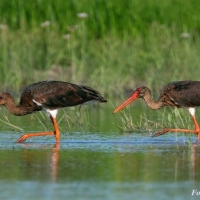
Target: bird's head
(138, 93)
(3, 98)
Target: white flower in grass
(185, 35)
(82, 15)
(46, 23)
(72, 28)
(66, 36)
(3, 26)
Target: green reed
(149, 123)
(6, 121)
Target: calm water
(97, 165)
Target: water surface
(100, 166)
(97, 164)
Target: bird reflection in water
(55, 162)
(194, 161)
(187, 159)
(40, 160)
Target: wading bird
(49, 96)
(181, 94)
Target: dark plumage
(181, 94)
(49, 96)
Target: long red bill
(133, 97)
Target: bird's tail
(93, 94)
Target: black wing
(182, 94)
(57, 94)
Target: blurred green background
(112, 45)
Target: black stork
(49, 96)
(180, 94)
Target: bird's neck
(13, 108)
(151, 103)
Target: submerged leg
(56, 133)
(195, 131)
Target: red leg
(56, 128)
(56, 133)
(195, 131)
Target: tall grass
(110, 64)
(118, 18)
(117, 46)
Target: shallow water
(100, 166)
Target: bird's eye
(138, 90)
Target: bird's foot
(161, 132)
(28, 135)
(22, 138)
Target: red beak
(133, 97)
